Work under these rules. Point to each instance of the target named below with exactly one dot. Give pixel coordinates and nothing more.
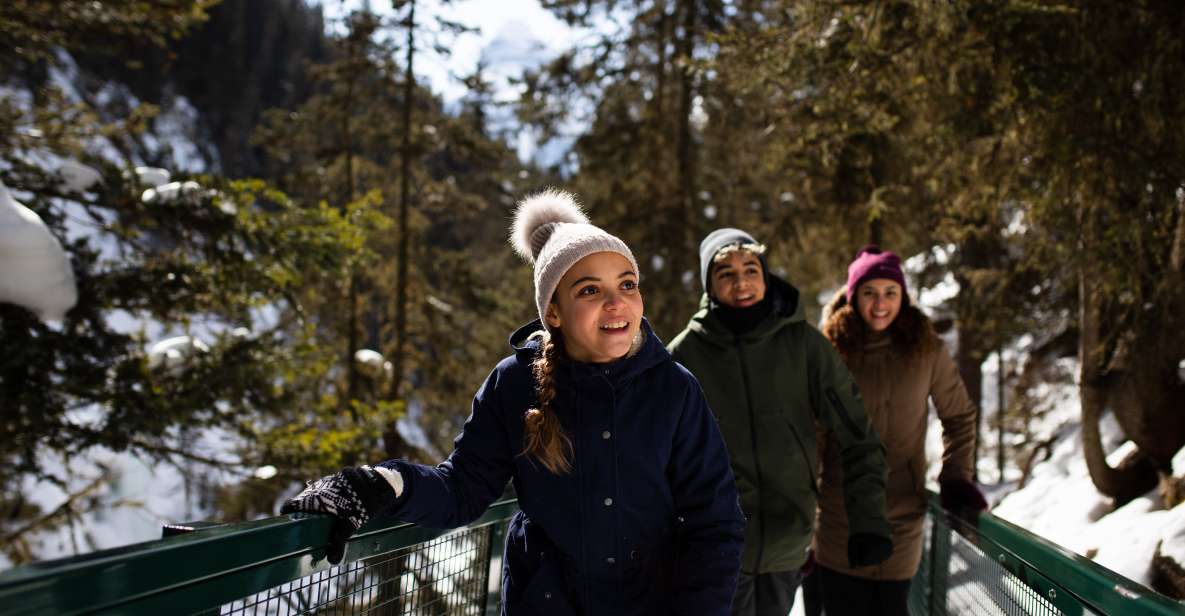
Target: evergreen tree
(639, 164)
(1004, 128)
(221, 262)
(451, 185)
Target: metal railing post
(493, 597)
(939, 565)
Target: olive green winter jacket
(769, 389)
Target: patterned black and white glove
(352, 496)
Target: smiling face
(738, 281)
(598, 307)
(878, 301)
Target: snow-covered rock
(34, 270)
(172, 353)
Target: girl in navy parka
(628, 503)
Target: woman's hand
(352, 496)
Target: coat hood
(652, 353)
(787, 310)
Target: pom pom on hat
(536, 218)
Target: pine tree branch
(63, 510)
(167, 452)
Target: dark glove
(867, 549)
(961, 495)
(963, 501)
(352, 496)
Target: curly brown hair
(911, 332)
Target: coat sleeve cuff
(393, 478)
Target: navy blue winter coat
(646, 523)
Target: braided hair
(545, 439)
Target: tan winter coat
(895, 383)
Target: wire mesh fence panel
(447, 576)
(956, 577)
(977, 584)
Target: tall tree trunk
(684, 236)
(661, 63)
(352, 294)
(394, 443)
(1001, 381)
(404, 198)
(1126, 482)
(969, 355)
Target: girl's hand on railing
(959, 494)
(352, 496)
(963, 502)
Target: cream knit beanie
(551, 232)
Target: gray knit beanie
(717, 240)
(551, 232)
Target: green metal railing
(991, 566)
(277, 567)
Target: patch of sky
(510, 36)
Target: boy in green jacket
(773, 380)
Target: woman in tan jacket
(899, 363)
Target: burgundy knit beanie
(872, 263)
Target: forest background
(339, 261)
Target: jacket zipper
(802, 449)
(756, 458)
(843, 414)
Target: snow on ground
(1062, 505)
